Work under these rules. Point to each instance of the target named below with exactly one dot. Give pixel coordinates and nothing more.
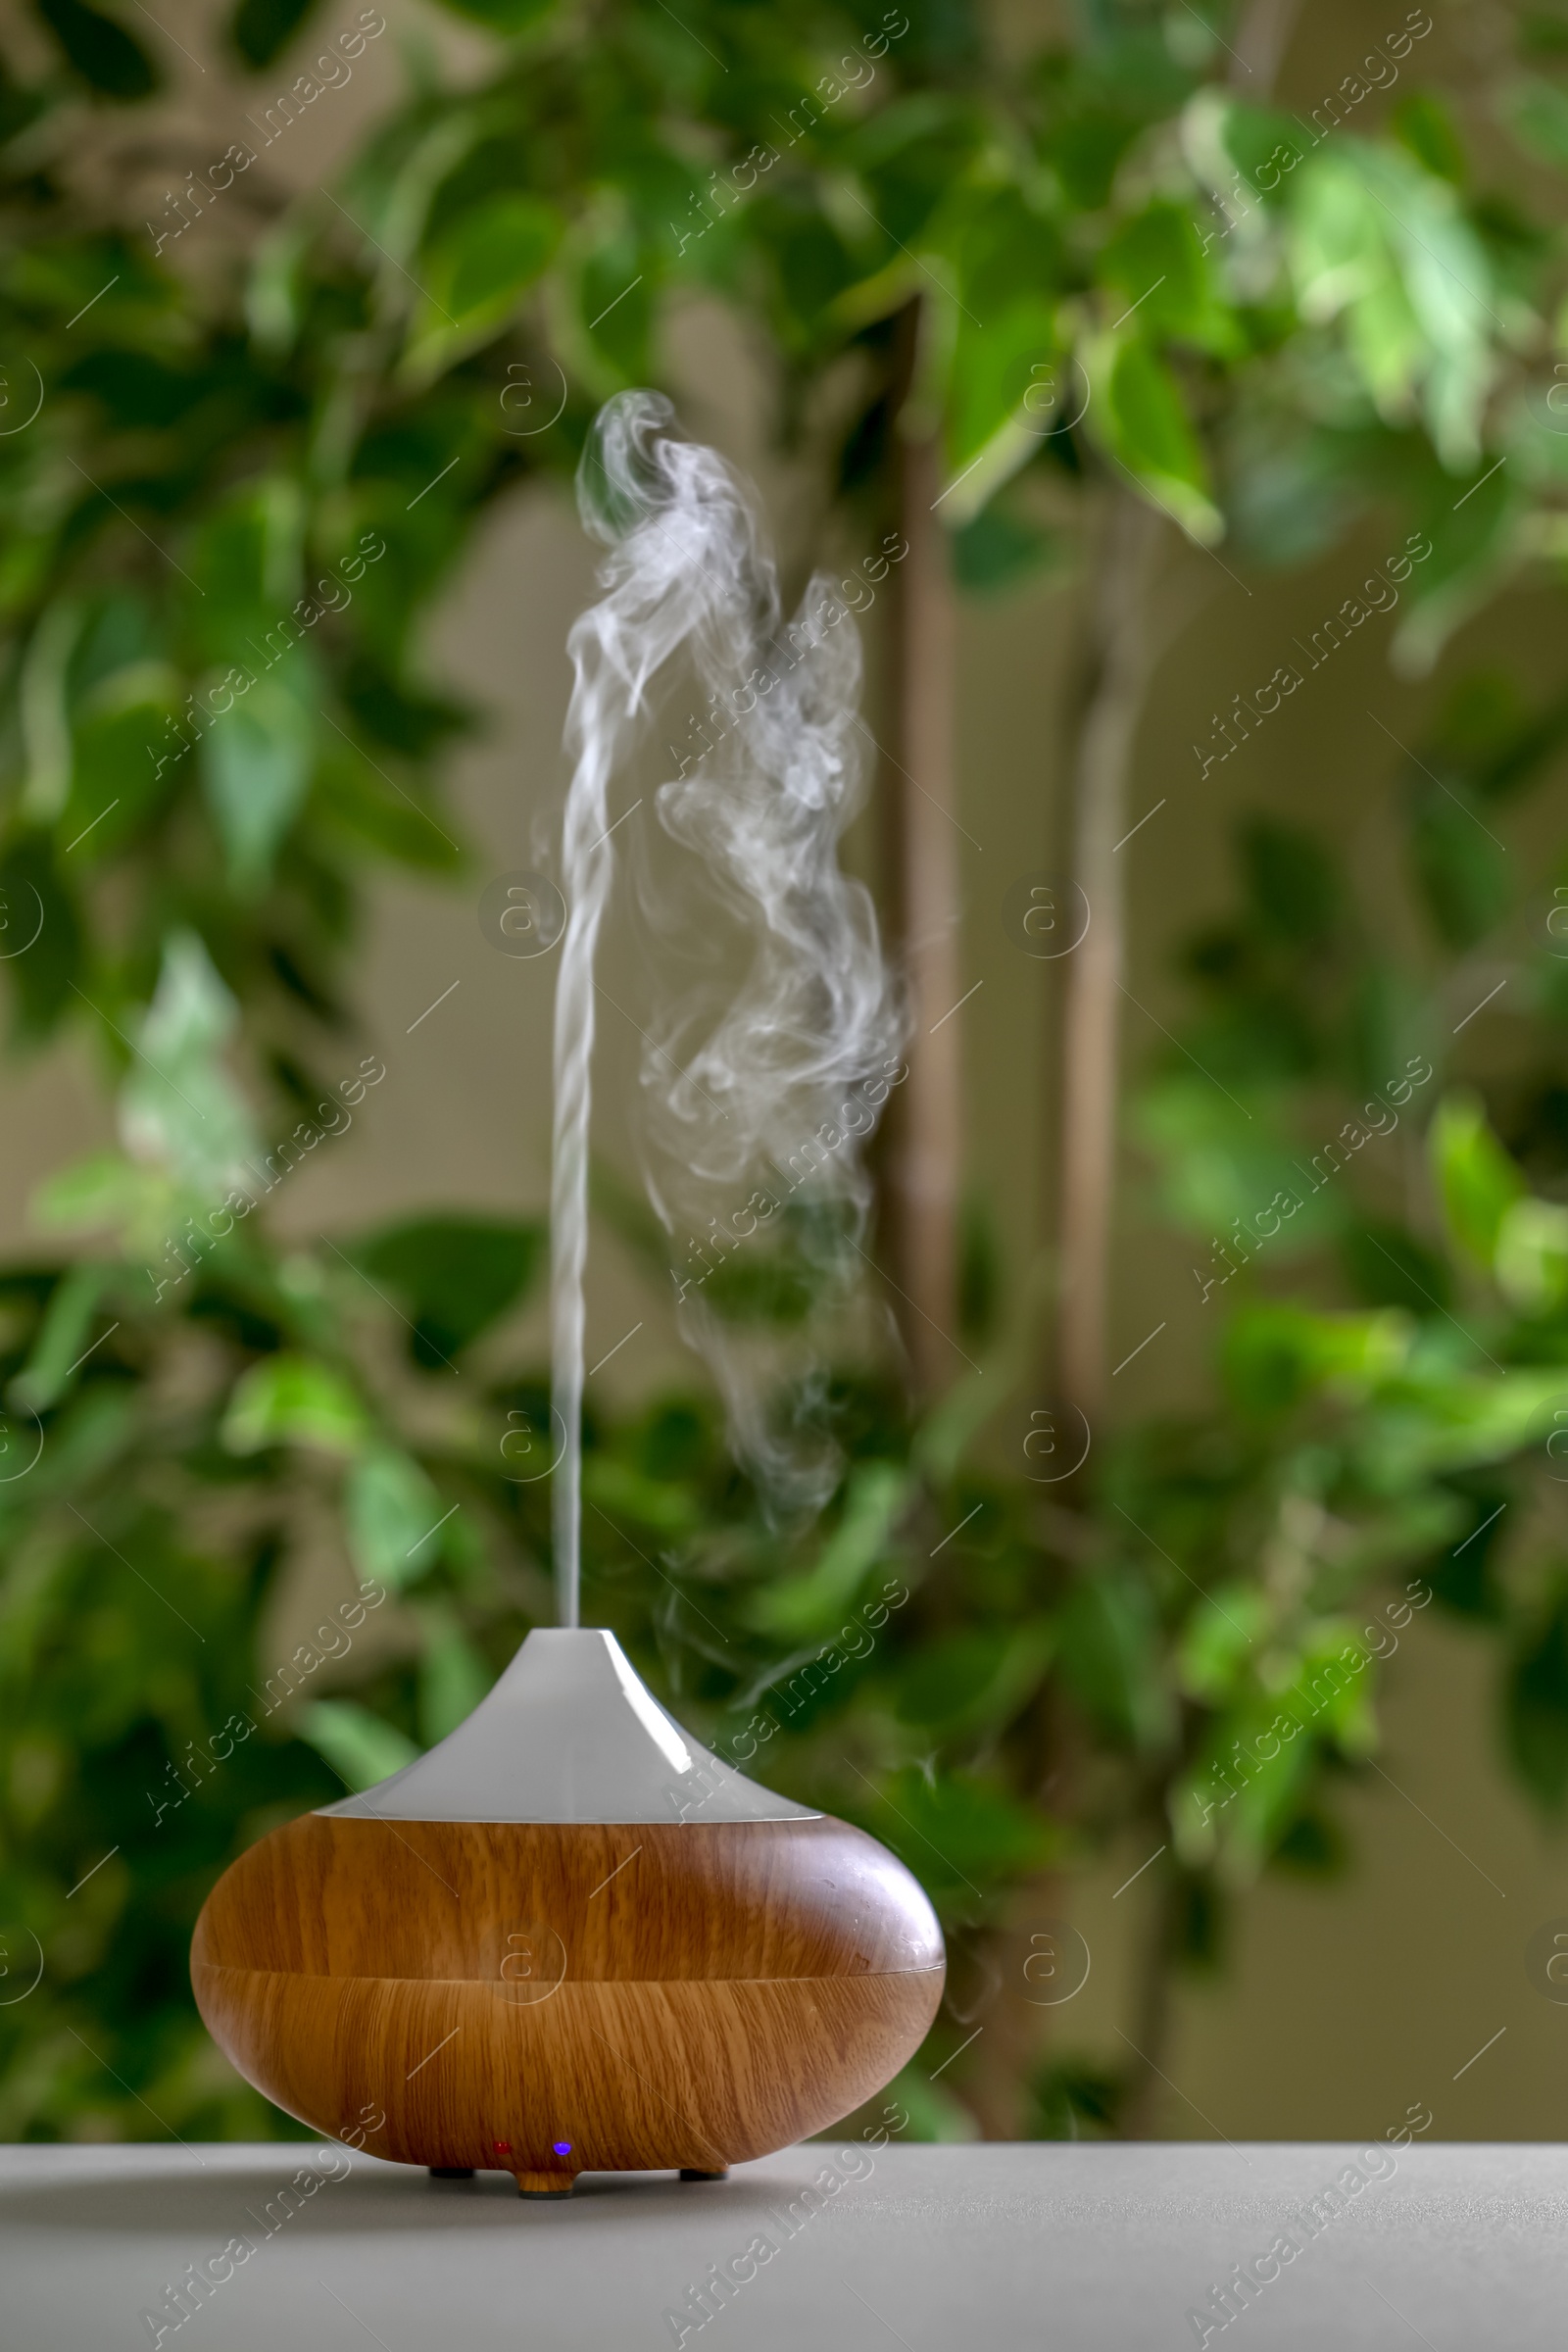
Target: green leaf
(1275, 1357)
(1332, 1689)
(1236, 1811)
(982, 1676)
(102, 52)
(249, 554)
(452, 1276)
(937, 2115)
(616, 304)
(277, 288)
(394, 1516)
(1258, 140)
(294, 1400)
(256, 766)
(1465, 1578)
(876, 1498)
(1462, 870)
(1220, 1166)
(998, 549)
(474, 278)
(1154, 260)
(1384, 245)
(1145, 419)
(1217, 1640)
(1292, 880)
(1086, 141)
(1433, 1422)
(958, 1831)
(1538, 111)
(42, 708)
(1065, 2094)
(98, 1194)
(1477, 1181)
(361, 803)
(63, 1334)
(261, 29)
(122, 767)
(1389, 1267)
(454, 1676)
(42, 938)
(1531, 1256)
(179, 1109)
(1005, 370)
(1422, 123)
(360, 1747)
(1313, 1846)
(1111, 1662)
(668, 1506)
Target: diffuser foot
(450, 2171)
(688, 2174)
(544, 2184)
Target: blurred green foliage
(223, 528)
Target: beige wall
(1340, 2008)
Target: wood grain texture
(656, 1996)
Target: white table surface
(942, 2249)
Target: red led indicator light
(501, 2147)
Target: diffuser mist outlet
(567, 1939)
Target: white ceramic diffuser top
(570, 1734)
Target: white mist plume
(752, 1088)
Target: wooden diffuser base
(549, 1997)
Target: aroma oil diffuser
(567, 1939)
